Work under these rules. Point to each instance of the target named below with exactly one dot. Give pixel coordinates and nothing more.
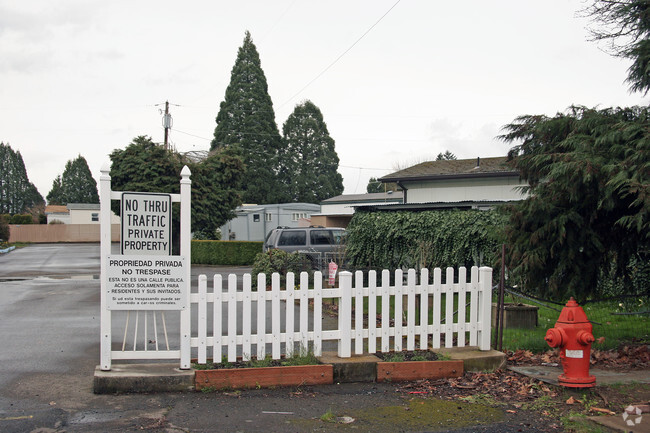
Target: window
(293, 238)
(268, 217)
(321, 237)
(94, 217)
(297, 215)
(256, 217)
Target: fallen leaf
(600, 340)
(571, 400)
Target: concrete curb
(167, 377)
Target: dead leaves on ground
(631, 357)
(501, 385)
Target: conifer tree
(246, 127)
(308, 158)
(76, 185)
(17, 193)
(584, 229)
(55, 196)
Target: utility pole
(167, 124)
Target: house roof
(453, 169)
(465, 204)
(371, 197)
(83, 206)
(285, 206)
(55, 208)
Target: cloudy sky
(84, 77)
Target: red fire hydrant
(572, 334)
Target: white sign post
(145, 276)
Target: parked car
(320, 244)
(313, 238)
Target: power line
(365, 168)
(192, 135)
(339, 57)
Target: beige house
(76, 213)
(477, 183)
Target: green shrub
(281, 262)
(6, 217)
(21, 219)
(237, 253)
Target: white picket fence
(467, 314)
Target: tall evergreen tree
(589, 199)
(625, 26)
(309, 162)
(246, 127)
(586, 219)
(17, 193)
(76, 185)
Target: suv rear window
(293, 238)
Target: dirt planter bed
(389, 367)
(264, 377)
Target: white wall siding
(490, 189)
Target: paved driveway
(49, 347)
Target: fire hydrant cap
(555, 337)
(572, 313)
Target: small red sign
(332, 268)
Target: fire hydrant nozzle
(585, 338)
(572, 334)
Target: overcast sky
(84, 77)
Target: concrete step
(131, 378)
(475, 360)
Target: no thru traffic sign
(146, 223)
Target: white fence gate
(457, 309)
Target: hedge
(21, 219)
(237, 253)
(390, 240)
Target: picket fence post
(485, 307)
(345, 315)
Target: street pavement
(49, 347)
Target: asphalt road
(49, 347)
